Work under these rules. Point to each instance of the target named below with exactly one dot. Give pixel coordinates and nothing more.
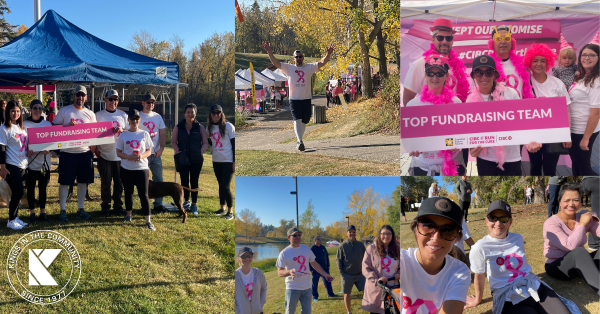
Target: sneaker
(220, 212)
(83, 215)
(187, 205)
(62, 217)
(150, 226)
(194, 209)
(228, 216)
(21, 222)
(32, 218)
(44, 217)
(315, 300)
(300, 146)
(159, 209)
(14, 225)
(118, 212)
(332, 296)
(127, 218)
(105, 212)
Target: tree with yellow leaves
(368, 211)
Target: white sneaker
(14, 225)
(21, 222)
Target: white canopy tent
(242, 84)
(258, 77)
(274, 76)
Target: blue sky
(270, 198)
(117, 21)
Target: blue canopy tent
(56, 50)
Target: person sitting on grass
(250, 285)
(501, 256)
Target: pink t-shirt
(560, 240)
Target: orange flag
(238, 11)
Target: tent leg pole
(176, 113)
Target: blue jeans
(315, 284)
(155, 165)
(291, 301)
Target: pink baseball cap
(442, 24)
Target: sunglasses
(428, 228)
(296, 235)
(502, 219)
(499, 39)
(488, 73)
(215, 112)
(441, 38)
(36, 108)
(432, 74)
(80, 95)
(113, 99)
(247, 256)
(298, 57)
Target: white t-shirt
(466, 235)
(512, 152)
(152, 122)
(299, 79)
(119, 118)
(297, 258)
(15, 141)
(388, 268)
(69, 113)
(416, 78)
(36, 163)
(431, 190)
(552, 87)
(512, 77)
(528, 193)
(583, 99)
(503, 260)
(221, 145)
(129, 142)
(423, 293)
(248, 281)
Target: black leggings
(577, 263)
(138, 179)
(190, 172)
(490, 168)
(224, 174)
(543, 159)
(582, 159)
(464, 205)
(34, 177)
(549, 303)
(15, 181)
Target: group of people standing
(140, 139)
(440, 78)
(341, 89)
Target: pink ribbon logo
(514, 83)
(301, 260)
(150, 125)
(301, 75)
(217, 137)
(134, 144)
(249, 289)
(572, 85)
(385, 263)
(22, 138)
(116, 123)
(515, 271)
(411, 308)
(451, 81)
(77, 120)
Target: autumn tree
(250, 223)
(416, 188)
(284, 226)
(7, 30)
(309, 222)
(367, 211)
(22, 29)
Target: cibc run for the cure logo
(43, 267)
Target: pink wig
(539, 50)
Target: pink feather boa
(517, 61)
(458, 70)
(497, 94)
(445, 97)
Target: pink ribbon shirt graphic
(150, 125)
(217, 137)
(249, 287)
(300, 75)
(301, 260)
(515, 271)
(385, 264)
(512, 80)
(134, 144)
(22, 138)
(411, 308)
(79, 121)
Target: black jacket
(191, 143)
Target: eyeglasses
(441, 38)
(591, 56)
(299, 57)
(215, 112)
(80, 95)
(428, 228)
(389, 234)
(297, 235)
(36, 108)
(150, 102)
(432, 74)
(499, 39)
(488, 73)
(246, 256)
(503, 220)
(112, 99)
(318, 239)
(352, 232)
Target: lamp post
(348, 221)
(296, 193)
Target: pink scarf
(445, 97)
(497, 95)
(517, 61)
(458, 70)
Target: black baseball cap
(443, 207)
(133, 112)
(216, 108)
(35, 102)
(351, 227)
(484, 61)
(292, 231)
(501, 205)
(317, 237)
(243, 250)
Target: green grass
(180, 268)
(274, 163)
(261, 60)
(527, 221)
(266, 265)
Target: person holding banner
(500, 256)
(134, 146)
(299, 80)
(13, 160)
(539, 59)
(76, 162)
(585, 110)
(38, 169)
(436, 92)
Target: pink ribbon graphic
(411, 308)
(150, 125)
(451, 81)
(249, 289)
(301, 260)
(217, 137)
(515, 271)
(134, 144)
(514, 83)
(572, 85)
(301, 75)
(77, 120)
(22, 138)
(386, 266)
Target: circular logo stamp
(443, 205)
(43, 267)
(483, 60)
